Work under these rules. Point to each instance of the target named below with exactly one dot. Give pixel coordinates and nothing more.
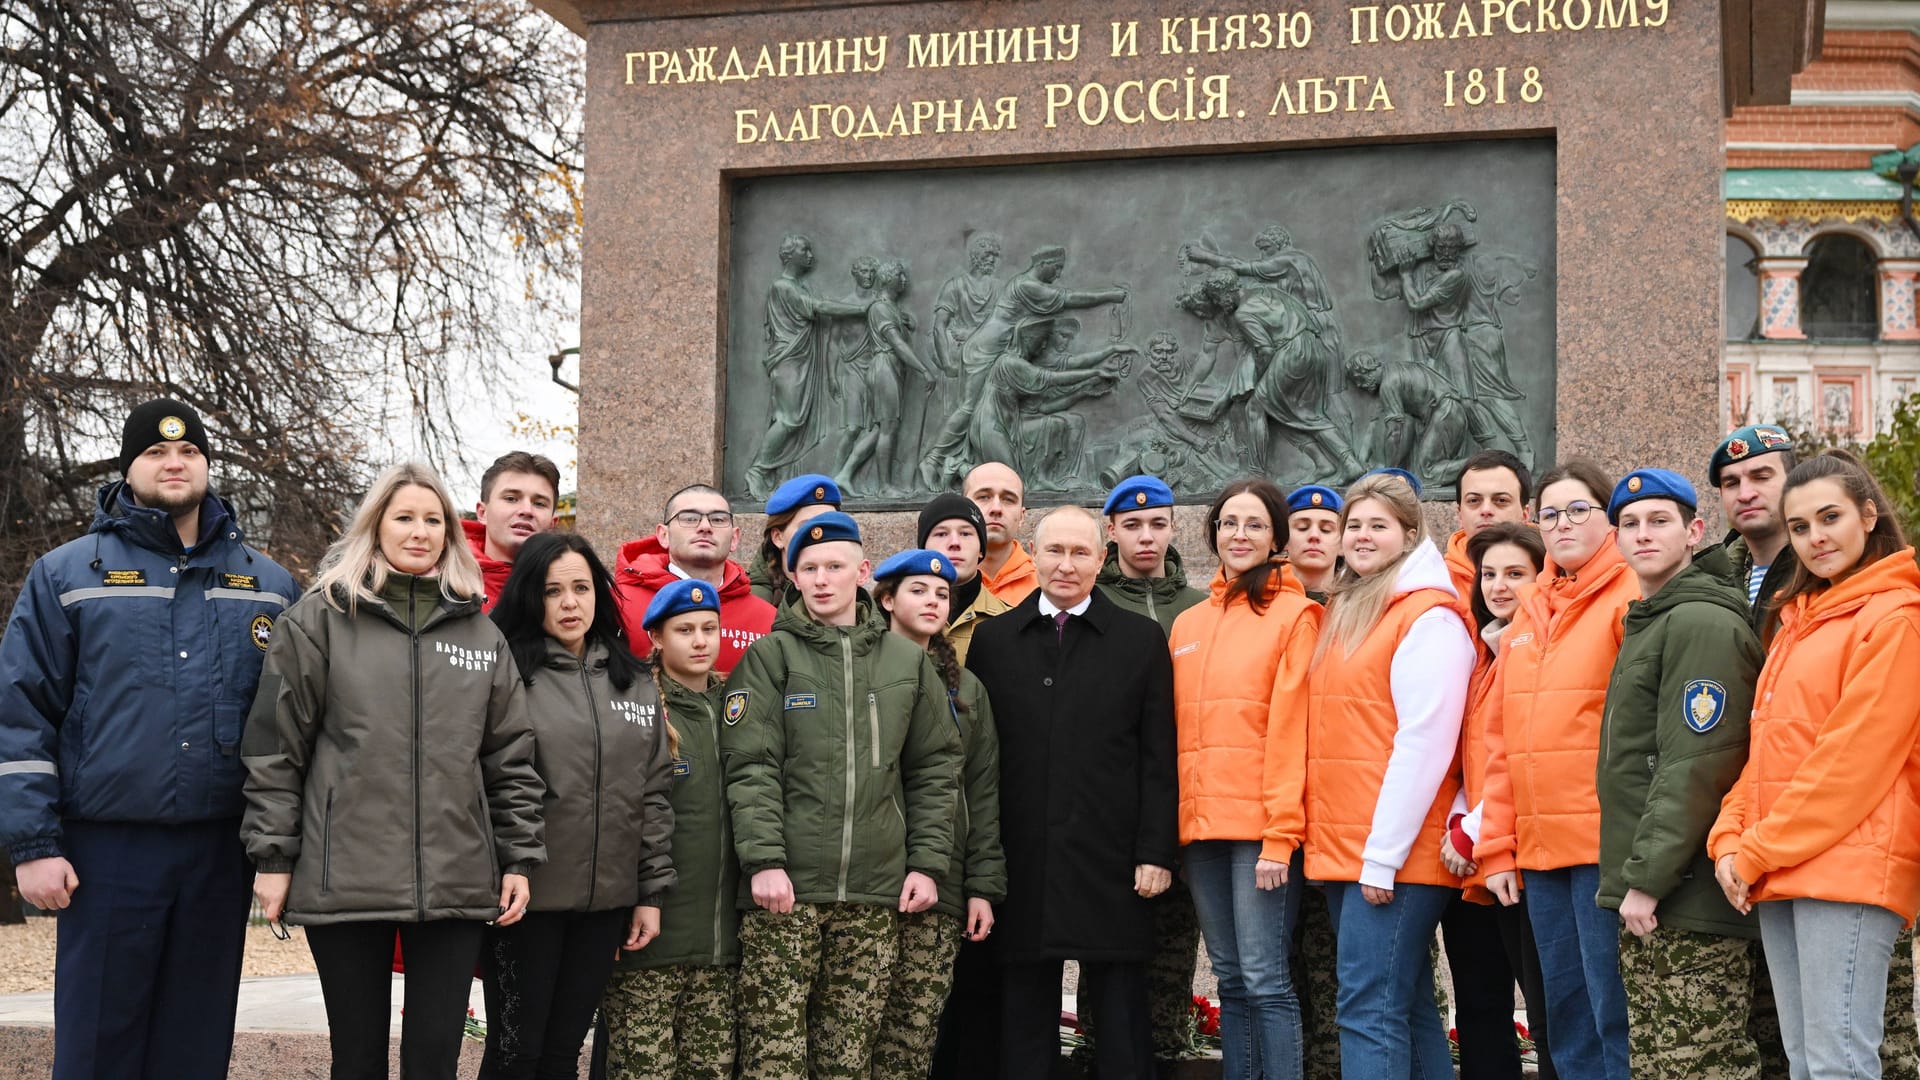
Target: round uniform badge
(261, 631)
(1139, 498)
(694, 594)
(817, 533)
(1737, 449)
(1318, 498)
(933, 565)
(1633, 484)
(172, 427)
(820, 493)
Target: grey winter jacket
(603, 755)
(389, 760)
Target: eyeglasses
(691, 519)
(1576, 512)
(1229, 526)
(279, 930)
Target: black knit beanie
(949, 507)
(157, 421)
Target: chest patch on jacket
(261, 631)
(240, 581)
(682, 768)
(124, 577)
(801, 701)
(1705, 703)
(1185, 649)
(737, 705)
(634, 712)
(462, 657)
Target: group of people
(834, 815)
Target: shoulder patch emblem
(1705, 703)
(801, 701)
(737, 705)
(261, 631)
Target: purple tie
(1060, 625)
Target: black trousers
(1030, 1019)
(544, 976)
(968, 1045)
(147, 960)
(355, 961)
(1488, 950)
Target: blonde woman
(1384, 705)
(390, 780)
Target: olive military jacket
(1161, 599)
(979, 864)
(842, 760)
(1673, 741)
(390, 761)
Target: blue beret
(1650, 484)
(1750, 441)
(915, 562)
(1138, 493)
(679, 597)
(807, 490)
(1314, 497)
(1388, 470)
(822, 529)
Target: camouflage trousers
(671, 1023)
(1316, 977)
(1176, 953)
(922, 978)
(1899, 1043)
(813, 987)
(1689, 1004)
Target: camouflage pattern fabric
(1900, 1046)
(1316, 977)
(671, 1023)
(1176, 953)
(813, 986)
(922, 978)
(1689, 1000)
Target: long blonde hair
(1357, 603)
(354, 569)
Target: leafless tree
(291, 214)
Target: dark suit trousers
(1030, 1019)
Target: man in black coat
(1082, 694)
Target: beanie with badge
(157, 421)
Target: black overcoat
(1087, 780)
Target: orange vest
(1460, 567)
(1239, 681)
(1543, 712)
(1828, 806)
(1017, 579)
(1350, 729)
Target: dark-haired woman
(605, 751)
(1541, 802)
(791, 505)
(1505, 557)
(1240, 662)
(913, 589)
(1822, 831)
(390, 778)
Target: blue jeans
(1579, 944)
(1389, 1027)
(1829, 965)
(1248, 933)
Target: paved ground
(289, 1003)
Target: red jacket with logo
(642, 571)
(493, 572)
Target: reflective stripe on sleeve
(247, 594)
(8, 768)
(74, 596)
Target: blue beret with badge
(1138, 493)
(916, 562)
(1314, 497)
(812, 489)
(1650, 484)
(1389, 470)
(823, 529)
(1748, 442)
(679, 597)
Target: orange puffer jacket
(1239, 690)
(1460, 567)
(1541, 809)
(1378, 794)
(1828, 806)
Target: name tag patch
(124, 577)
(1185, 649)
(241, 581)
(801, 701)
(682, 767)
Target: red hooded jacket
(642, 571)
(493, 572)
